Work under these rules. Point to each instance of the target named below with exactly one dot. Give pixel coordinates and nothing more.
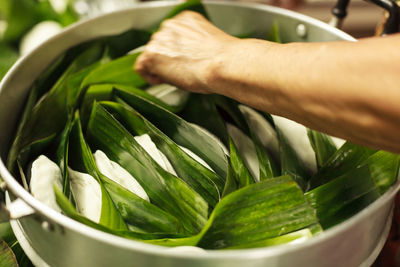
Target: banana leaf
(205, 182)
(240, 171)
(164, 189)
(180, 131)
(49, 115)
(201, 110)
(258, 213)
(342, 197)
(323, 146)
(118, 71)
(342, 161)
(81, 159)
(384, 168)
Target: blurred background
(24, 24)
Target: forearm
(350, 90)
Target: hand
(182, 51)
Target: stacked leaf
(216, 174)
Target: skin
(346, 89)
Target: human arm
(346, 89)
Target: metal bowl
(61, 241)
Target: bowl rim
(64, 221)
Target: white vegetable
(263, 129)
(298, 139)
(148, 145)
(118, 174)
(38, 34)
(246, 149)
(87, 194)
(169, 94)
(196, 158)
(59, 5)
(44, 175)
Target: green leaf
(384, 168)
(49, 115)
(273, 34)
(231, 184)
(257, 213)
(341, 198)
(164, 189)
(323, 146)
(290, 162)
(7, 257)
(119, 45)
(201, 110)
(119, 71)
(205, 182)
(180, 131)
(240, 171)
(342, 161)
(193, 5)
(8, 56)
(139, 212)
(81, 159)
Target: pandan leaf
(119, 71)
(342, 197)
(231, 184)
(257, 213)
(205, 182)
(273, 34)
(48, 117)
(7, 257)
(193, 5)
(119, 45)
(384, 168)
(164, 189)
(231, 112)
(139, 212)
(180, 131)
(169, 95)
(290, 163)
(81, 159)
(8, 56)
(201, 110)
(341, 162)
(240, 171)
(323, 146)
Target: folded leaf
(181, 132)
(384, 168)
(119, 45)
(164, 189)
(201, 110)
(205, 182)
(323, 146)
(81, 159)
(240, 171)
(49, 116)
(118, 71)
(257, 213)
(343, 197)
(342, 161)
